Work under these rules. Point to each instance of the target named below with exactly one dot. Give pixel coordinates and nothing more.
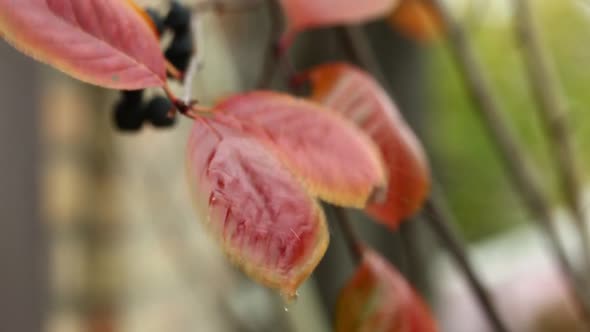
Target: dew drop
(286, 309)
(289, 298)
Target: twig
(196, 61)
(354, 244)
(360, 51)
(227, 6)
(271, 56)
(549, 98)
(441, 223)
(513, 155)
(173, 71)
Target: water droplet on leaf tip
(289, 298)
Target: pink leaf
(305, 14)
(103, 42)
(335, 160)
(356, 95)
(263, 218)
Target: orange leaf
(335, 160)
(359, 97)
(263, 218)
(305, 14)
(378, 298)
(417, 19)
(103, 42)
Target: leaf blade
(102, 42)
(353, 93)
(418, 20)
(335, 161)
(266, 223)
(378, 298)
(305, 14)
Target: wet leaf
(260, 214)
(103, 42)
(305, 14)
(359, 97)
(335, 160)
(379, 299)
(417, 19)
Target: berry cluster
(130, 112)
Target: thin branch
(196, 61)
(227, 6)
(353, 242)
(173, 71)
(441, 223)
(271, 59)
(360, 51)
(552, 110)
(513, 155)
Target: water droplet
(289, 298)
(286, 309)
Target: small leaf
(103, 42)
(359, 97)
(378, 298)
(263, 218)
(417, 19)
(305, 14)
(335, 160)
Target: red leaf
(378, 298)
(304, 14)
(103, 42)
(335, 160)
(263, 218)
(358, 97)
(417, 19)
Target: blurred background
(97, 232)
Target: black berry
(179, 18)
(157, 19)
(182, 44)
(180, 50)
(132, 97)
(128, 116)
(157, 111)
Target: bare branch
(360, 51)
(437, 217)
(512, 153)
(271, 57)
(197, 59)
(355, 245)
(225, 6)
(552, 111)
